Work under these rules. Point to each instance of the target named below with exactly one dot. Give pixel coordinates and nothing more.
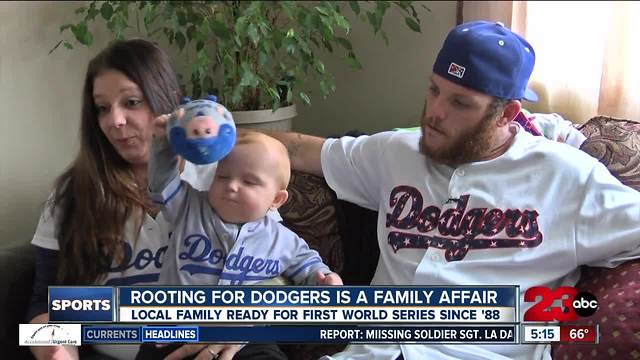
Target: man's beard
(465, 148)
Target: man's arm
(304, 150)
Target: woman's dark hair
(97, 194)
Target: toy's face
(201, 127)
(202, 131)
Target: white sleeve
(45, 235)
(199, 176)
(608, 230)
(555, 127)
(353, 166)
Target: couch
(324, 221)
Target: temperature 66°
(578, 333)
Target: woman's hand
(160, 123)
(206, 351)
(328, 279)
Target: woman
(99, 227)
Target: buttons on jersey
(435, 257)
(460, 172)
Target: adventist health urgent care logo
(50, 334)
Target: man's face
(455, 125)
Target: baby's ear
(280, 199)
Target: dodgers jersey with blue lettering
(143, 254)
(528, 217)
(204, 250)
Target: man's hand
(205, 352)
(328, 279)
(57, 352)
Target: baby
(223, 236)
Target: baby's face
(246, 184)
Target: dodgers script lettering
(457, 230)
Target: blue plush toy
(202, 131)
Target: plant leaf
(252, 31)
(375, 21)
(343, 22)
(304, 97)
(412, 24)
(344, 43)
(248, 78)
(92, 12)
(322, 11)
(324, 87)
(319, 66)
(180, 40)
(106, 11)
(82, 34)
(351, 59)
(355, 7)
(220, 30)
(291, 33)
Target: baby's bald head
(269, 150)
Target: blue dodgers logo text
(456, 229)
(199, 249)
(140, 261)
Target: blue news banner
(290, 314)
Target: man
(474, 199)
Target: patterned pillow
(616, 143)
(618, 294)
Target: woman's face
(124, 115)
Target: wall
(389, 91)
(40, 99)
(41, 96)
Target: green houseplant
(253, 55)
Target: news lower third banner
(506, 334)
(285, 305)
(293, 314)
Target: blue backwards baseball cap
(487, 57)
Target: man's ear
(510, 111)
(280, 199)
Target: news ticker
(77, 334)
(291, 304)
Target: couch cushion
(310, 213)
(616, 143)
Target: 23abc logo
(574, 304)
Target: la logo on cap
(456, 70)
